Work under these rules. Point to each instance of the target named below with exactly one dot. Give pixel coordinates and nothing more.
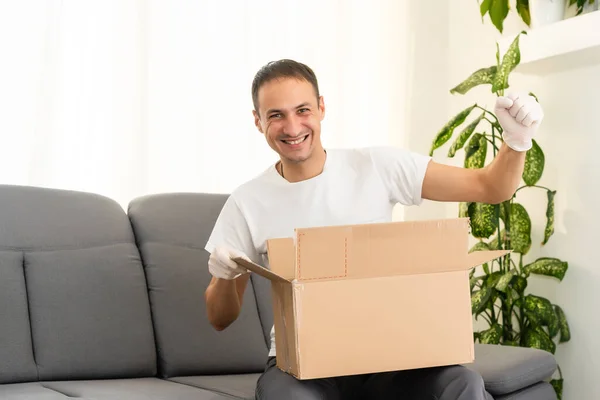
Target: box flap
(382, 249)
(262, 271)
(477, 258)
(281, 257)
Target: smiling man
(314, 186)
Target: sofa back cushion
(171, 231)
(16, 352)
(73, 291)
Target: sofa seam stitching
(203, 388)
(259, 314)
(58, 248)
(27, 300)
(56, 391)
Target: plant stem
(518, 317)
(488, 112)
(487, 318)
(492, 142)
(494, 124)
(532, 186)
(496, 206)
(521, 311)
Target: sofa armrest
(506, 369)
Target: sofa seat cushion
(507, 369)
(132, 389)
(241, 386)
(539, 391)
(26, 391)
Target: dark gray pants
(440, 383)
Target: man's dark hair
(282, 69)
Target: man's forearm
(503, 174)
(222, 303)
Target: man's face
(290, 117)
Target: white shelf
(566, 45)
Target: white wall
(126, 98)
(448, 51)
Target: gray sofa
(99, 303)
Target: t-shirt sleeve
(231, 230)
(402, 173)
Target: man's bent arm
(224, 299)
(519, 116)
(503, 175)
(492, 184)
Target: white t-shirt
(356, 186)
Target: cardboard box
(372, 298)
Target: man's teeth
(295, 141)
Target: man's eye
(303, 110)
(275, 116)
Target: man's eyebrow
(276, 110)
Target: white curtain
(129, 97)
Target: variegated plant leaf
(549, 229)
(510, 60)
(520, 229)
(534, 164)
(557, 385)
(447, 130)
(505, 280)
(476, 151)
(565, 330)
(553, 324)
(548, 266)
(463, 209)
(479, 246)
(464, 135)
(492, 279)
(491, 335)
(479, 299)
(482, 76)
(539, 307)
(519, 284)
(484, 219)
(537, 338)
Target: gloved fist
(520, 116)
(221, 265)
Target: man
(313, 186)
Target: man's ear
(257, 121)
(322, 107)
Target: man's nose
(292, 126)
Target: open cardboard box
(373, 297)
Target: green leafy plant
(498, 294)
(580, 4)
(498, 10)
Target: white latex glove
(221, 265)
(520, 116)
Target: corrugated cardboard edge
(262, 271)
(297, 288)
(285, 330)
